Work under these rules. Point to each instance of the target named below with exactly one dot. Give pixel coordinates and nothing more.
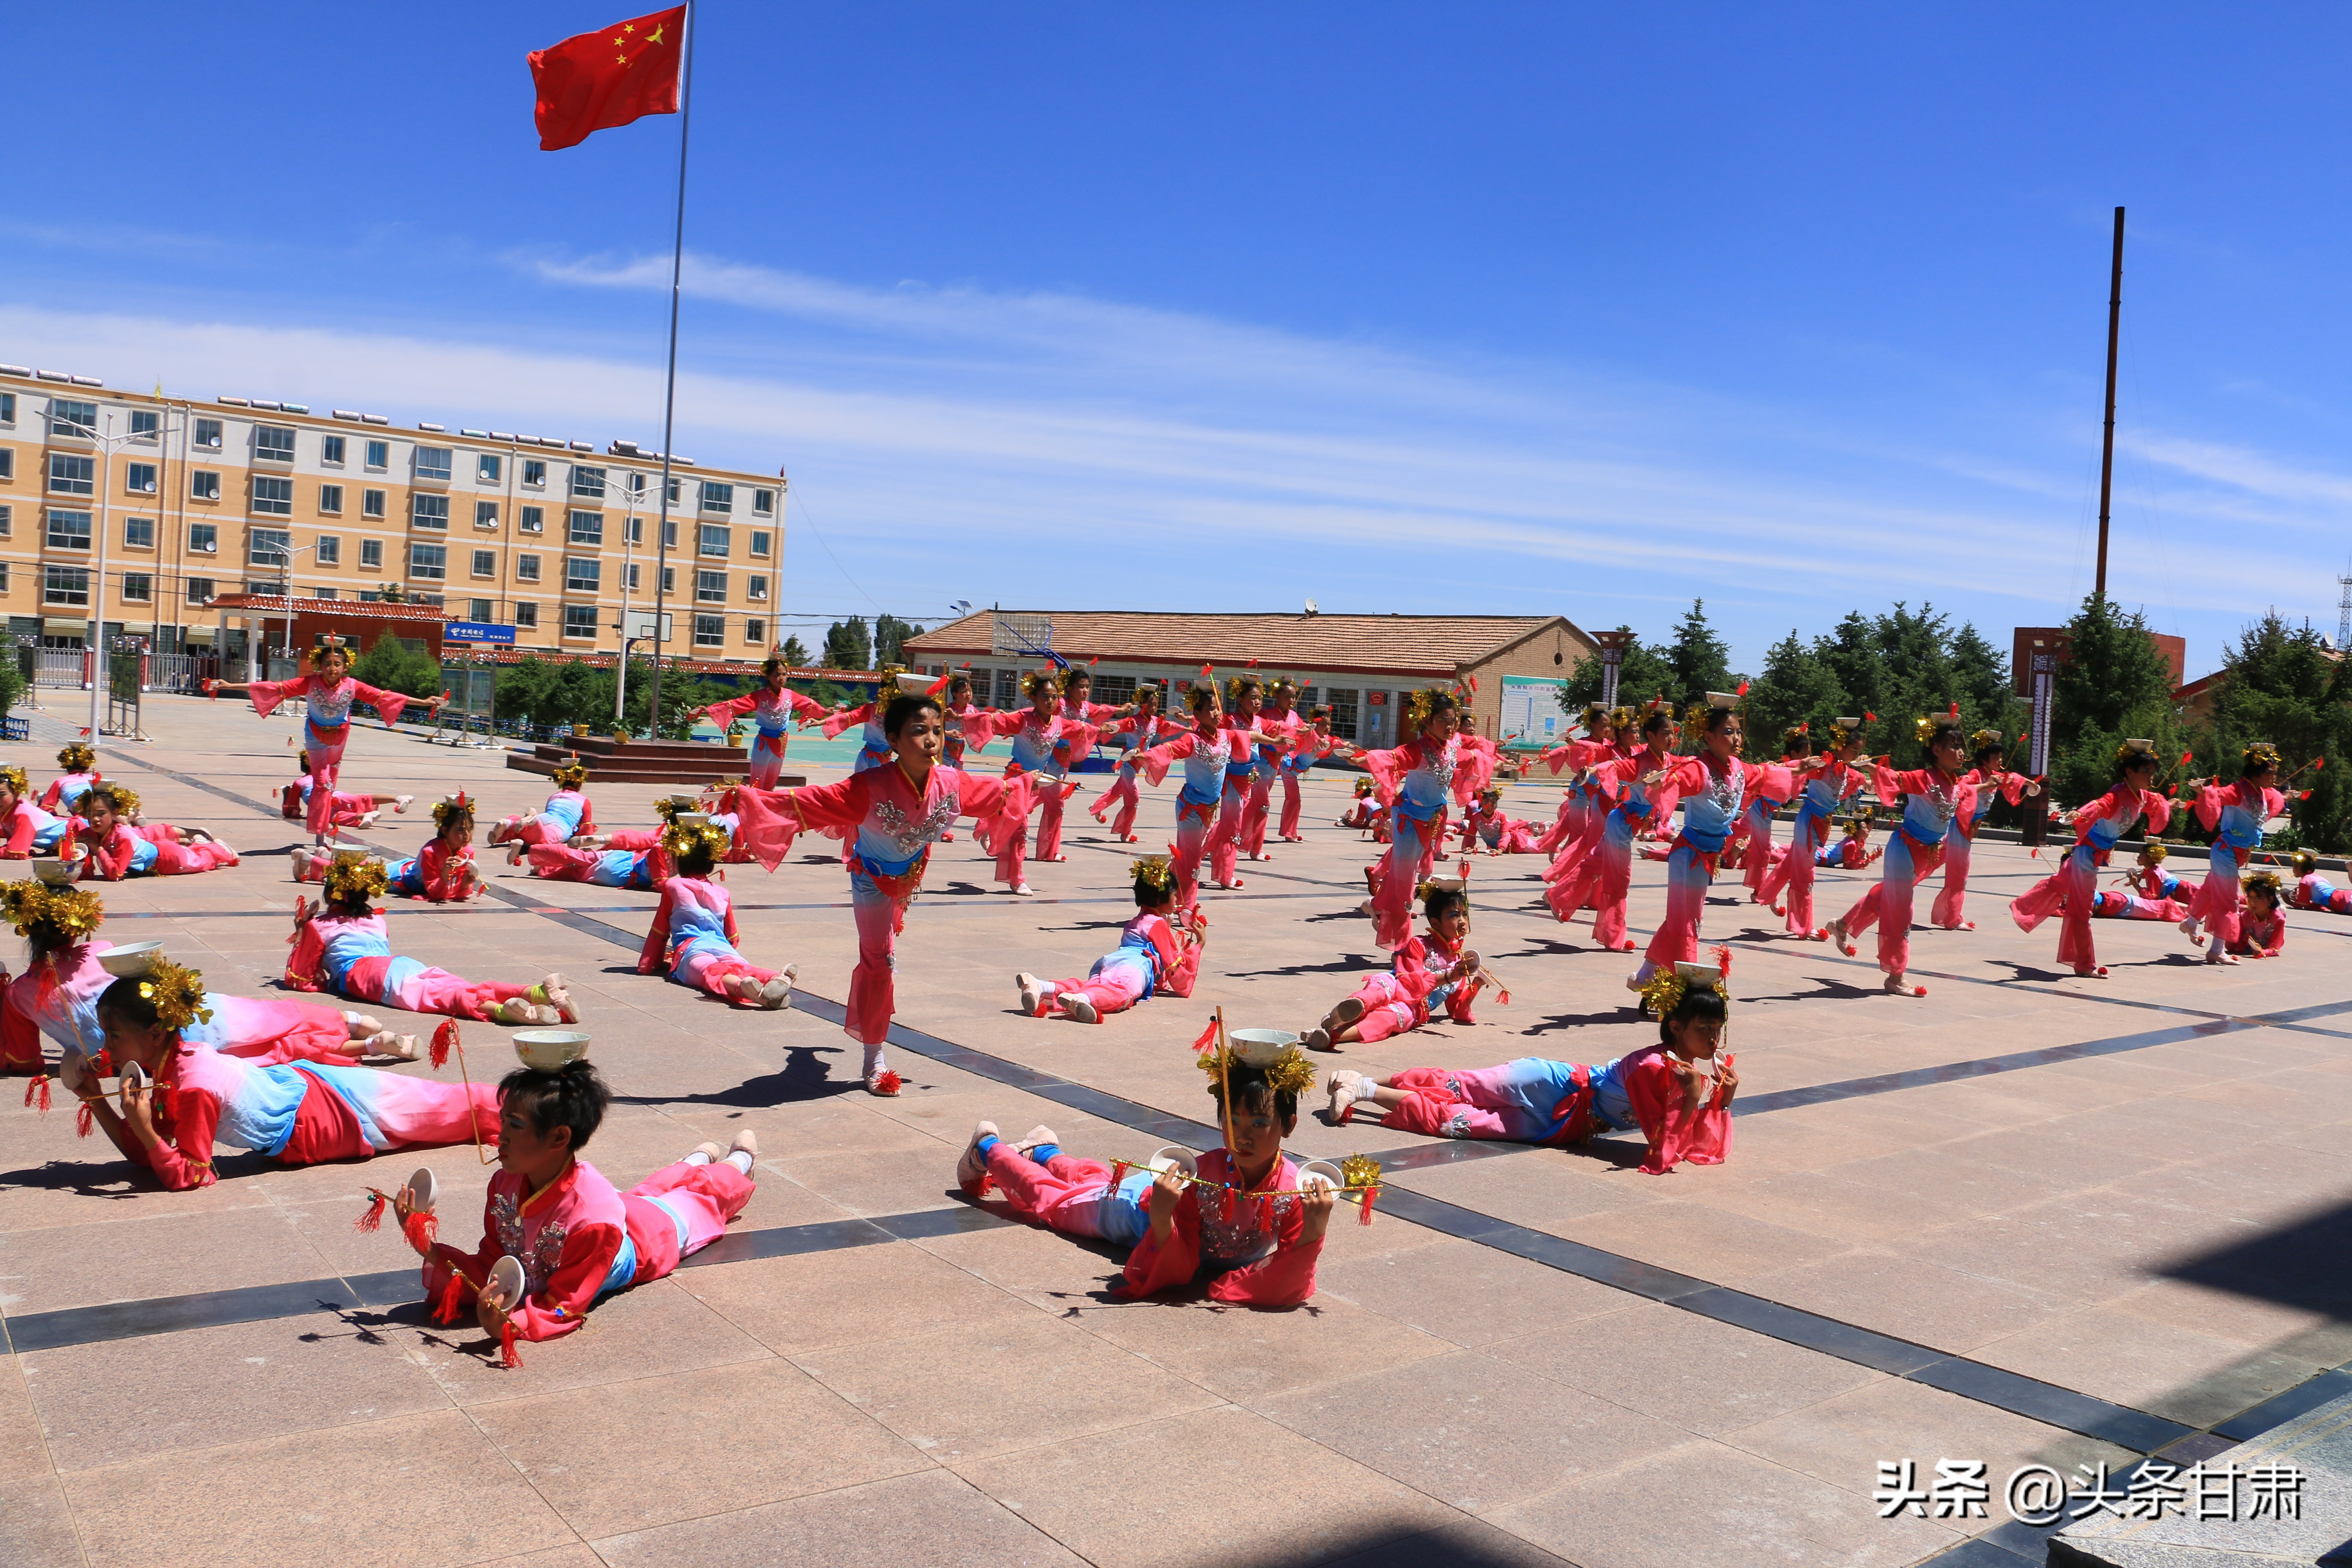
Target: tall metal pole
(97, 669)
(669, 396)
(2107, 451)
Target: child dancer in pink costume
(2262, 925)
(2070, 890)
(1987, 776)
(567, 815)
(1678, 1092)
(2313, 891)
(773, 709)
(1146, 729)
(1853, 852)
(329, 691)
(1307, 747)
(1430, 970)
(300, 1112)
(1776, 786)
(1931, 798)
(1715, 787)
(1243, 785)
(1415, 780)
(1487, 828)
(115, 850)
(349, 811)
(577, 1239)
(873, 741)
(893, 816)
(1257, 1246)
(2115, 904)
(1156, 951)
(341, 945)
(1825, 784)
(1616, 736)
(2234, 816)
(694, 936)
(1364, 813)
(1280, 718)
(64, 791)
(1045, 745)
(1207, 752)
(1605, 875)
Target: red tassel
(1117, 1172)
(373, 1218)
(33, 1085)
(888, 1081)
(1208, 1037)
(1231, 1204)
(453, 1299)
(1504, 997)
(1723, 961)
(1266, 1212)
(1364, 1209)
(85, 1119)
(506, 1356)
(443, 1038)
(422, 1230)
(1743, 690)
(43, 1083)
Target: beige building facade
(150, 506)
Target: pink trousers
(1255, 812)
(326, 761)
(1394, 876)
(1387, 1009)
(1289, 828)
(1122, 794)
(714, 978)
(2218, 900)
(186, 859)
(1949, 911)
(1890, 902)
(1192, 831)
(1065, 1193)
(1224, 845)
(1111, 990)
(2068, 893)
(1793, 877)
(704, 1197)
(1687, 880)
(1604, 881)
(1755, 864)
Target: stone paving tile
(1463, 1292)
(37, 1527)
(928, 1520)
(821, 1300)
(1910, 1299)
(24, 1452)
(2194, 1378)
(170, 1254)
(1249, 1353)
(653, 1330)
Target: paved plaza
(2030, 1218)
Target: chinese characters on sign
(2040, 1495)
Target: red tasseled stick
(1117, 1172)
(1723, 961)
(508, 1357)
(422, 1230)
(85, 1119)
(443, 1038)
(373, 1218)
(1364, 1214)
(452, 1297)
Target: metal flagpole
(669, 396)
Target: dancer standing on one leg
(1931, 798)
(1045, 745)
(2234, 814)
(1414, 780)
(1715, 786)
(1207, 752)
(1825, 784)
(328, 691)
(773, 709)
(1605, 875)
(2070, 891)
(1989, 773)
(1145, 729)
(893, 816)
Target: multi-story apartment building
(186, 501)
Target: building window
(273, 497)
(200, 591)
(486, 514)
(428, 511)
(324, 593)
(633, 531)
(139, 478)
(580, 621)
(138, 588)
(273, 443)
(527, 568)
(139, 532)
(711, 631)
(8, 408)
(371, 553)
(533, 520)
(69, 417)
(673, 490)
(145, 423)
(488, 466)
(268, 547)
(4, 576)
(7, 463)
(65, 585)
(204, 485)
(7, 523)
(330, 550)
(371, 503)
(587, 528)
(69, 529)
(486, 565)
(379, 456)
(208, 434)
(718, 498)
(761, 541)
(330, 499)
(204, 538)
(669, 533)
(527, 614)
(477, 609)
(587, 481)
(534, 473)
(430, 562)
(433, 462)
(718, 540)
(711, 587)
(755, 632)
(669, 580)
(71, 476)
(331, 450)
(1342, 701)
(757, 588)
(581, 574)
(632, 570)
(763, 503)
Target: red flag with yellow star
(607, 77)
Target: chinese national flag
(607, 77)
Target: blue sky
(1497, 308)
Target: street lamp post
(106, 442)
(632, 490)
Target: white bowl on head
(131, 958)
(691, 818)
(57, 873)
(550, 1051)
(505, 1286)
(1175, 1158)
(1323, 1172)
(1259, 1047)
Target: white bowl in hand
(1320, 1173)
(1171, 1157)
(505, 1288)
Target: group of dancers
(284, 1079)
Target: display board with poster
(1535, 712)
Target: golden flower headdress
(65, 914)
(1988, 741)
(1843, 732)
(571, 774)
(2156, 851)
(2260, 755)
(1236, 684)
(680, 837)
(176, 992)
(1594, 718)
(1363, 787)
(2305, 862)
(1797, 733)
(1420, 706)
(888, 691)
(2264, 882)
(122, 797)
(1622, 719)
(77, 757)
(2136, 751)
(1038, 680)
(1663, 992)
(449, 805)
(670, 805)
(1288, 1073)
(354, 876)
(1924, 729)
(325, 651)
(1155, 873)
(15, 781)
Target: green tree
(890, 635)
(2279, 684)
(392, 665)
(1701, 660)
(1645, 673)
(847, 646)
(2113, 685)
(1797, 687)
(795, 653)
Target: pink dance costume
(772, 713)
(1257, 810)
(1537, 1100)
(1931, 802)
(1206, 754)
(2313, 891)
(1044, 750)
(436, 873)
(29, 830)
(342, 810)
(2234, 814)
(1307, 747)
(873, 745)
(58, 996)
(891, 829)
(1247, 779)
(1401, 999)
(2070, 890)
(1712, 803)
(64, 791)
(1776, 786)
(1569, 851)
(302, 1113)
(1848, 854)
(1605, 875)
(1414, 782)
(125, 852)
(1152, 956)
(577, 1239)
(1789, 884)
(1255, 1257)
(567, 815)
(1144, 733)
(693, 939)
(2117, 905)
(1950, 908)
(352, 955)
(2259, 937)
(641, 870)
(327, 728)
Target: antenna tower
(2343, 612)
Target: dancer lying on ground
(694, 936)
(1677, 1092)
(341, 945)
(112, 848)
(1428, 971)
(2115, 904)
(567, 815)
(2313, 891)
(80, 764)
(1156, 952)
(2261, 926)
(348, 810)
(26, 830)
(1257, 1237)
